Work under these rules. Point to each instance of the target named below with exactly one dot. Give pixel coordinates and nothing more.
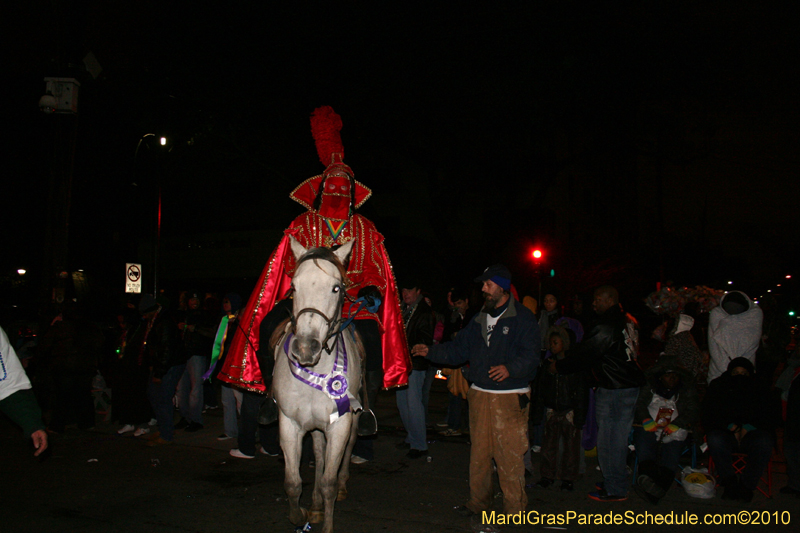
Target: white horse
(316, 383)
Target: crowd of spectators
(564, 384)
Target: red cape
(241, 366)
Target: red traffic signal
(537, 254)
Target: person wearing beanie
(501, 344)
(738, 418)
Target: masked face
(336, 197)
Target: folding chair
(739, 462)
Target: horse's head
(319, 291)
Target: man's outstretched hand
(419, 350)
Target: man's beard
(490, 302)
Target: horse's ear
(344, 250)
(297, 248)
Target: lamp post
(157, 232)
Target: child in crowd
(563, 399)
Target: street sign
(133, 277)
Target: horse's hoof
(316, 517)
(342, 495)
(367, 423)
(298, 516)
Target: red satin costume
(332, 223)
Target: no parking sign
(133, 277)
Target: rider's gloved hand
(372, 297)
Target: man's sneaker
(357, 460)
(603, 496)
(536, 449)
(267, 452)
(182, 423)
(210, 407)
(126, 428)
(416, 454)
(236, 453)
(194, 426)
(152, 422)
(442, 424)
(450, 433)
(544, 483)
(224, 436)
(141, 431)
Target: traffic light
(537, 255)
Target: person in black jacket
(737, 417)
(563, 399)
(666, 412)
(197, 328)
(609, 350)
(168, 360)
(419, 322)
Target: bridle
(333, 322)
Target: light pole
(157, 233)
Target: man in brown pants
(502, 347)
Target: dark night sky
(619, 137)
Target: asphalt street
(98, 481)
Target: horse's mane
(326, 254)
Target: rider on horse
(331, 199)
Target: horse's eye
(336, 288)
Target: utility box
(65, 91)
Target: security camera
(48, 103)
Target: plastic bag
(698, 483)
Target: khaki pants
(499, 431)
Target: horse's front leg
(317, 503)
(337, 435)
(292, 444)
(344, 470)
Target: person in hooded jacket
(563, 399)
(734, 330)
(667, 409)
(738, 418)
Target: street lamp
(21, 271)
(157, 244)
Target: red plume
(325, 128)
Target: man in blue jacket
(501, 344)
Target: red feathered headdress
(325, 128)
